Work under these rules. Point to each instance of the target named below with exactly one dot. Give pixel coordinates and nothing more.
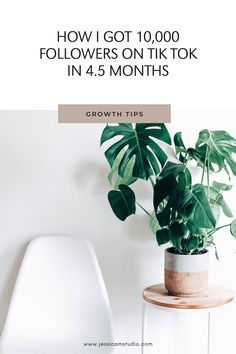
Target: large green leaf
(217, 199)
(219, 146)
(180, 148)
(178, 229)
(171, 189)
(201, 215)
(233, 228)
(153, 223)
(163, 188)
(175, 169)
(162, 236)
(115, 165)
(139, 141)
(193, 243)
(177, 232)
(198, 156)
(196, 230)
(128, 174)
(122, 202)
(216, 212)
(221, 187)
(178, 141)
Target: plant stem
(217, 228)
(208, 176)
(152, 182)
(145, 211)
(205, 165)
(219, 195)
(203, 172)
(186, 158)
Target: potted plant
(185, 214)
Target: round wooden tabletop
(215, 295)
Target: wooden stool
(157, 297)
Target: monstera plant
(184, 213)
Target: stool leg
(144, 325)
(209, 333)
(186, 326)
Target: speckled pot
(186, 275)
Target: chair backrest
(59, 301)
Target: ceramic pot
(186, 275)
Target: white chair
(59, 302)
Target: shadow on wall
(137, 230)
(127, 251)
(10, 283)
(91, 175)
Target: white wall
(207, 25)
(53, 180)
